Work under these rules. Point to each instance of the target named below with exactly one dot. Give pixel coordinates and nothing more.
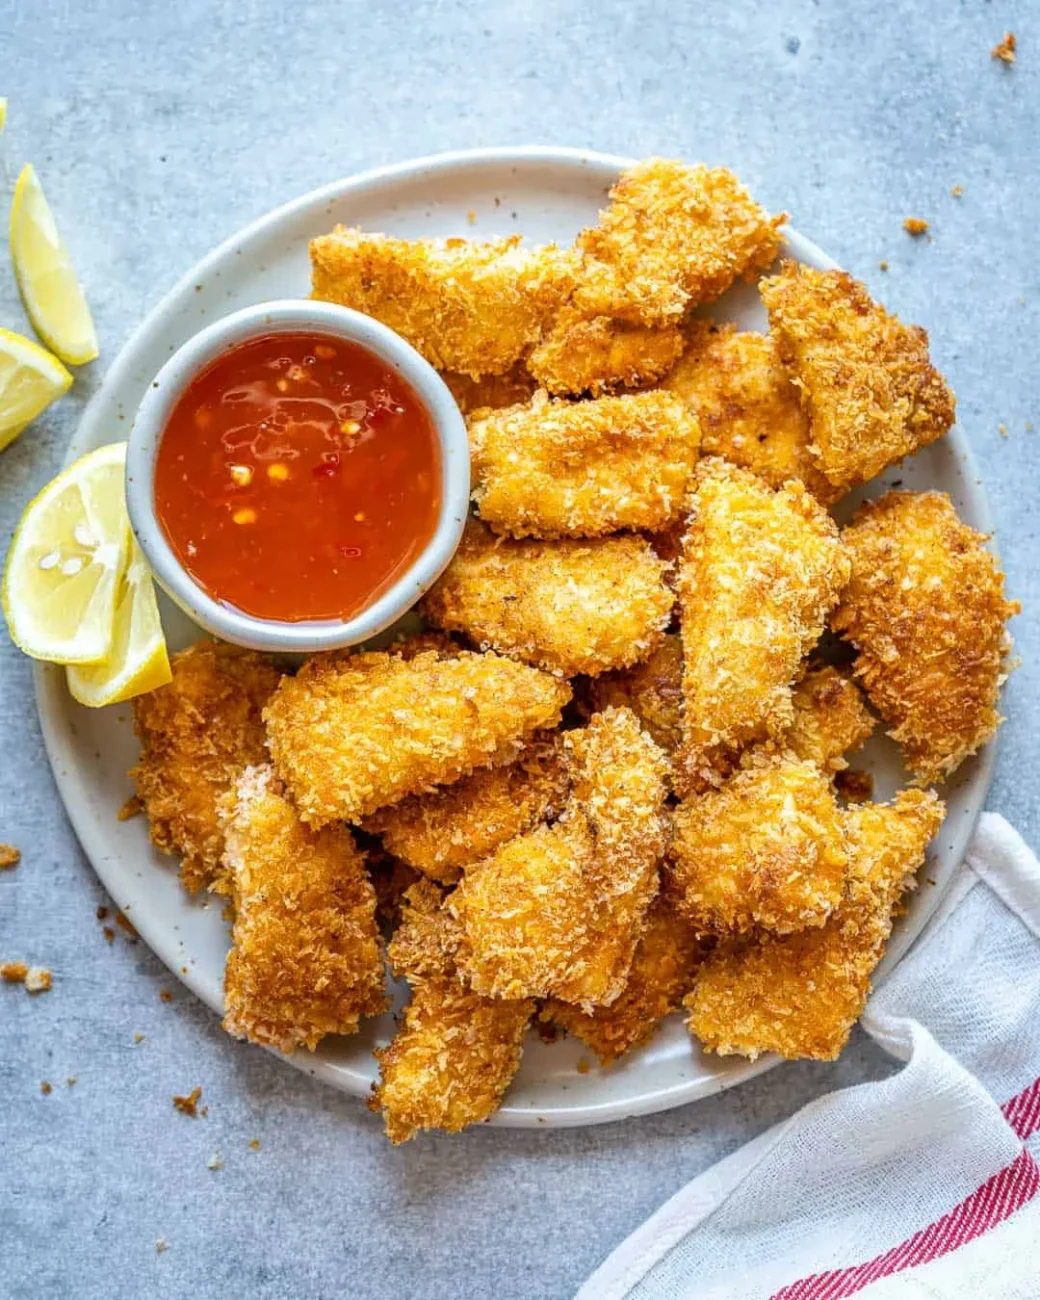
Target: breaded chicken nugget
(491, 391)
(559, 912)
(830, 718)
(866, 380)
(568, 606)
(442, 832)
(800, 994)
(351, 733)
(466, 306)
(456, 1052)
(760, 572)
(662, 972)
(305, 959)
(748, 409)
(767, 849)
(583, 469)
(196, 734)
(925, 608)
(652, 690)
(673, 235)
(391, 879)
(601, 355)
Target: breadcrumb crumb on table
(915, 226)
(9, 856)
(1006, 49)
(38, 980)
(14, 972)
(46, 1088)
(188, 1105)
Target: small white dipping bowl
(291, 317)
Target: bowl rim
(283, 316)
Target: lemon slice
(51, 293)
(137, 661)
(67, 556)
(30, 379)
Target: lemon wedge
(51, 293)
(137, 661)
(67, 557)
(30, 379)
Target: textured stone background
(158, 130)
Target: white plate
(548, 194)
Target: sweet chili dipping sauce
(298, 477)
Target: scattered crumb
(184, 970)
(130, 809)
(160, 1245)
(915, 226)
(584, 1065)
(101, 913)
(254, 1144)
(70, 1079)
(38, 980)
(9, 856)
(471, 217)
(138, 1038)
(1005, 50)
(216, 1161)
(188, 1105)
(882, 266)
(854, 786)
(957, 191)
(1029, 426)
(14, 972)
(46, 1088)
(108, 932)
(1002, 430)
(126, 925)
(165, 995)
(203, 1111)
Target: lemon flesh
(67, 558)
(51, 293)
(30, 379)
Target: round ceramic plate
(548, 194)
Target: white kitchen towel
(922, 1185)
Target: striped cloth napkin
(923, 1185)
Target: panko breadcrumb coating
(567, 606)
(674, 235)
(442, 832)
(467, 306)
(831, 718)
(800, 994)
(925, 608)
(662, 972)
(491, 391)
(456, 1052)
(767, 849)
(351, 733)
(197, 734)
(866, 380)
(601, 355)
(749, 411)
(652, 690)
(760, 572)
(582, 469)
(305, 956)
(559, 912)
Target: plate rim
(48, 679)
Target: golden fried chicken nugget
(196, 734)
(767, 849)
(866, 380)
(800, 994)
(567, 606)
(559, 912)
(601, 355)
(305, 956)
(652, 690)
(748, 409)
(830, 718)
(674, 235)
(491, 391)
(442, 832)
(583, 469)
(351, 733)
(456, 1052)
(662, 972)
(925, 608)
(467, 306)
(760, 572)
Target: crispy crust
(800, 994)
(601, 355)
(305, 959)
(652, 690)
(466, 306)
(831, 718)
(491, 392)
(868, 385)
(197, 733)
(767, 849)
(925, 608)
(566, 606)
(442, 832)
(352, 733)
(582, 469)
(748, 409)
(558, 912)
(760, 572)
(673, 236)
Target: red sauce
(298, 477)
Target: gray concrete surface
(158, 129)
